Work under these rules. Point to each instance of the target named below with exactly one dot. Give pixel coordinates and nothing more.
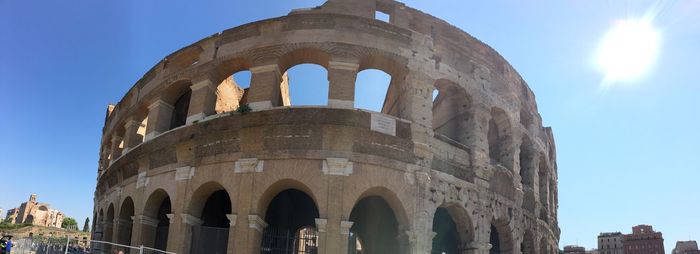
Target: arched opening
(161, 241)
(154, 233)
(97, 225)
(29, 219)
(304, 79)
(124, 224)
(500, 238)
(180, 110)
(542, 175)
(527, 246)
(231, 92)
(446, 240)
(382, 68)
(307, 84)
(108, 223)
(291, 218)
(451, 109)
(499, 138)
(212, 235)
(375, 228)
(371, 89)
(527, 155)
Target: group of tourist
(6, 244)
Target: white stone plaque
(142, 180)
(184, 173)
(383, 124)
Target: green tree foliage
(69, 223)
(86, 227)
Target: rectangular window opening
(382, 16)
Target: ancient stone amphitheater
(186, 166)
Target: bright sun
(628, 50)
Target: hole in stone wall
(382, 16)
(371, 88)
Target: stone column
(341, 79)
(173, 229)
(159, 115)
(231, 244)
(131, 138)
(256, 227)
(144, 231)
(188, 222)
(116, 150)
(321, 231)
(265, 89)
(344, 236)
(202, 101)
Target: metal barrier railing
(115, 248)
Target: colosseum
(456, 161)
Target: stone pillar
(159, 115)
(144, 231)
(341, 79)
(256, 227)
(265, 89)
(173, 229)
(131, 138)
(321, 231)
(344, 236)
(116, 150)
(231, 244)
(202, 101)
(188, 222)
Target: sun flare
(628, 50)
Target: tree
(69, 223)
(86, 227)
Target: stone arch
(291, 222)
(279, 186)
(200, 195)
(98, 225)
(310, 60)
(500, 138)
(542, 176)
(108, 224)
(454, 230)
(155, 221)
(500, 237)
(229, 93)
(527, 160)
(125, 221)
(209, 210)
(379, 221)
(29, 219)
(451, 111)
(391, 66)
(527, 246)
(177, 96)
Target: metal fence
(277, 241)
(44, 245)
(103, 247)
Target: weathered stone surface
(458, 136)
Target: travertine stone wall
(475, 148)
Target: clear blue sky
(627, 154)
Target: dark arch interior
(180, 109)
(495, 241)
(212, 235)
(215, 210)
(125, 224)
(376, 227)
(291, 218)
(446, 239)
(161, 241)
